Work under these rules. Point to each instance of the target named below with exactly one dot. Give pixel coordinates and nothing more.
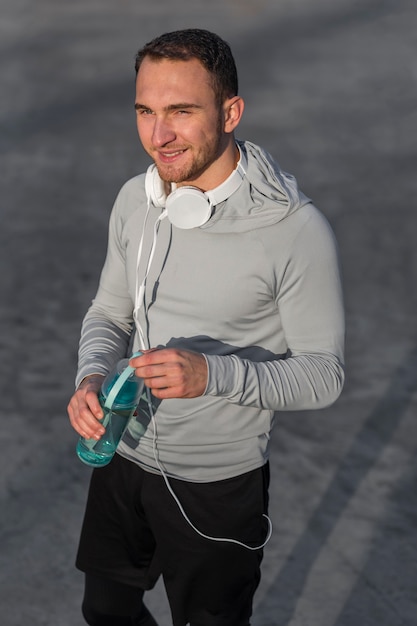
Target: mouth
(170, 156)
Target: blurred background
(330, 91)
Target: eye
(144, 112)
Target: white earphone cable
(213, 198)
(181, 508)
(140, 287)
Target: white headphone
(188, 207)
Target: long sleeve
(310, 305)
(108, 323)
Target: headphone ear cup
(155, 187)
(188, 207)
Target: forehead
(164, 79)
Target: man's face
(179, 122)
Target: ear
(233, 111)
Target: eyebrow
(170, 107)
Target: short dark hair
(194, 43)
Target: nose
(163, 132)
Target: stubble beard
(200, 163)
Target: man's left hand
(172, 373)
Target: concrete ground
(330, 89)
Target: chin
(172, 175)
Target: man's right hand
(84, 409)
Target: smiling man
(181, 125)
(226, 278)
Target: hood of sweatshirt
(266, 195)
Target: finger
(82, 419)
(156, 356)
(165, 393)
(143, 359)
(93, 404)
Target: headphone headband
(230, 185)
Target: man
(229, 277)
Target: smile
(166, 157)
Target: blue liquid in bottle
(116, 416)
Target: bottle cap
(122, 389)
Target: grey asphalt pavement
(330, 89)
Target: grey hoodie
(256, 290)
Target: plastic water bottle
(119, 396)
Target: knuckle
(84, 412)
